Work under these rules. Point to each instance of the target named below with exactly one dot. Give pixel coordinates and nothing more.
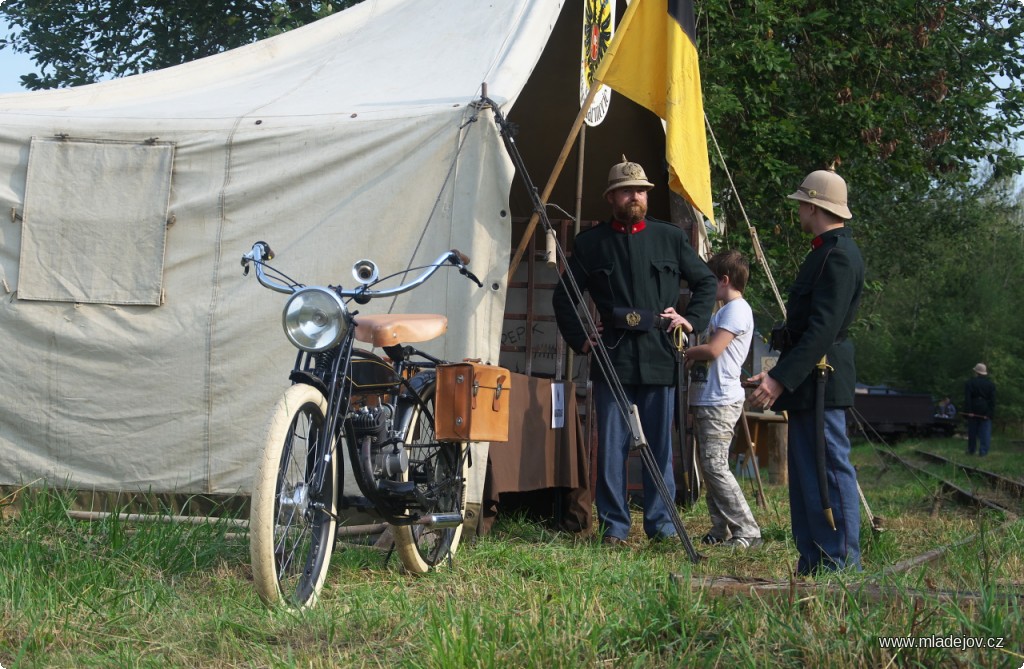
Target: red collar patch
(618, 226)
(817, 242)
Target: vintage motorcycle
(379, 410)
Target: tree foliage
(964, 305)
(76, 43)
(905, 97)
(919, 105)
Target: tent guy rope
(755, 240)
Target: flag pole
(571, 139)
(555, 173)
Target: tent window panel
(95, 220)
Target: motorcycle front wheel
(439, 470)
(292, 519)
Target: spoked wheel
(439, 471)
(291, 523)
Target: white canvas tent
(135, 354)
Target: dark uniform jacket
(822, 304)
(980, 397)
(641, 268)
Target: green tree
(905, 97)
(964, 305)
(75, 43)
(919, 105)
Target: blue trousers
(655, 407)
(979, 430)
(821, 547)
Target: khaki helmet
(626, 174)
(825, 189)
(980, 369)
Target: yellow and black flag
(652, 60)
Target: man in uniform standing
(818, 357)
(632, 265)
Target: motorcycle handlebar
(460, 260)
(261, 253)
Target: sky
(12, 66)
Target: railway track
(878, 588)
(988, 490)
(1011, 486)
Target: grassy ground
(108, 594)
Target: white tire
(291, 528)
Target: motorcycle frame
(409, 376)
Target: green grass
(112, 594)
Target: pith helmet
(825, 189)
(627, 174)
(981, 369)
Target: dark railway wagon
(895, 415)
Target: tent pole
(559, 164)
(570, 355)
(579, 182)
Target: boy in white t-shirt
(718, 402)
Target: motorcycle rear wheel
(441, 471)
(292, 526)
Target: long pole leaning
(577, 217)
(638, 441)
(751, 453)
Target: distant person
(719, 402)
(946, 409)
(979, 407)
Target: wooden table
(544, 469)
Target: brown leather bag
(472, 402)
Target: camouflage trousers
(730, 513)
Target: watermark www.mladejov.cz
(937, 641)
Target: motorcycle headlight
(314, 319)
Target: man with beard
(632, 265)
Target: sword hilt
(679, 339)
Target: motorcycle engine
(388, 457)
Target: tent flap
(94, 222)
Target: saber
(687, 455)
(821, 371)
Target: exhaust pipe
(441, 520)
